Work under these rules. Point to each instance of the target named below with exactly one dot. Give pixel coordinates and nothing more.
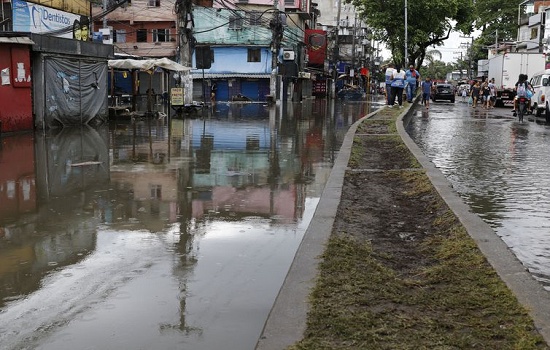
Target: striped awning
(16, 40)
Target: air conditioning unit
(288, 55)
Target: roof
(16, 40)
(199, 75)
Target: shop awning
(148, 64)
(16, 40)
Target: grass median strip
(400, 272)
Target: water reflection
(159, 233)
(498, 167)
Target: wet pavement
(158, 233)
(499, 167)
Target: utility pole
(353, 44)
(460, 67)
(184, 10)
(336, 50)
(469, 50)
(277, 35)
(406, 37)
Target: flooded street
(499, 167)
(159, 233)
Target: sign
(316, 42)
(33, 18)
(176, 96)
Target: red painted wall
(15, 97)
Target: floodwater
(158, 233)
(499, 167)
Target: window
(289, 2)
(161, 35)
(119, 35)
(141, 35)
(153, 3)
(254, 55)
(254, 18)
(156, 191)
(235, 22)
(534, 33)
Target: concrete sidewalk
(286, 322)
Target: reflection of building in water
(219, 168)
(17, 177)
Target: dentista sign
(33, 18)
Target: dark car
(444, 92)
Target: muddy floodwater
(500, 168)
(159, 233)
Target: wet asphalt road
(499, 167)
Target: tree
(494, 16)
(497, 21)
(429, 24)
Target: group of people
(398, 80)
(483, 93)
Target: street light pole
(406, 36)
(336, 50)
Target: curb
(287, 320)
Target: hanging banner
(316, 41)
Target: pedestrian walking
(464, 94)
(413, 77)
(486, 93)
(426, 92)
(474, 93)
(397, 86)
(390, 70)
(493, 96)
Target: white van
(541, 100)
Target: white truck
(506, 68)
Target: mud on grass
(400, 272)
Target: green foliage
(429, 24)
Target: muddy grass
(399, 271)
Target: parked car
(444, 92)
(539, 102)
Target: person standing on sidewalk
(390, 70)
(397, 86)
(413, 77)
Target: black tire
(452, 100)
(547, 113)
(521, 111)
(538, 112)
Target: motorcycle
(523, 102)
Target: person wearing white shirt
(397, 86)
(390, 70)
